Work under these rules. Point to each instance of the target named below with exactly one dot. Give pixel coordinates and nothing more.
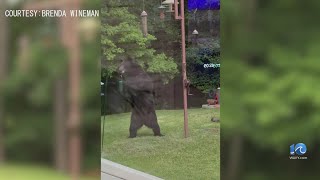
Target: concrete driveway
(114, 171)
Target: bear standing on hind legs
(140, 92)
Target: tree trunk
(60, 119)
(234, 158)
(3, 72)
(248, 8)
(74, 118)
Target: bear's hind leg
(154, 126)
(156, 130)
(152, 122)
(134, 126)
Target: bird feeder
(162, 8)
(144, 24)
(170, 3)
(102, 88)
(195, 34)
(120, 86)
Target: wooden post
(181, 17)
(74, 93)
(3, 72)
(60, 137)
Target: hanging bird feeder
(120, 86)
(162, 14)
(170, 4)
(195, 32)
(144, 23)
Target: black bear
(140, 95)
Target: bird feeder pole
(181, 17)
(103, 94)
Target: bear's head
(129, 67)
(134, 77)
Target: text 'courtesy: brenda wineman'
(72, 13)
(52, 13)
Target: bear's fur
(140, 95)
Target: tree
(122, 36)
(3, 72)
(60, 139)
(30, 88)
(205, 79)
(272, 68)
(205, 47)
(271, 72)
(35, 77)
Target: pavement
(115, 171)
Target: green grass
(32, 172)
(171, 157)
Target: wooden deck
(114, 171)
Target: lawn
(33, 172)
(171, 157)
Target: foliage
(279, 78)
(205, 79)
(171, 156)
(122, 36)
(44, 65)
(270, 76)
(29, 100)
